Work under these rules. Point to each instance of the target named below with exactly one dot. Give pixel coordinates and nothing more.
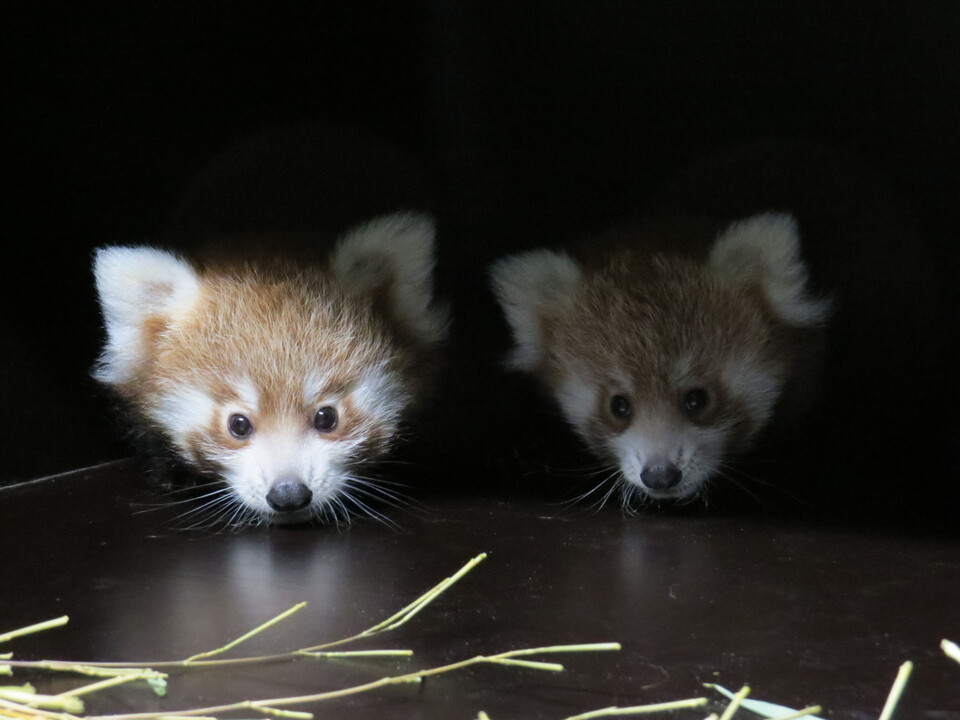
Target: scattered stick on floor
(640, 709)
(38, 627)
(246, 636)
(412, 677)
(24, 703)
(951, 649)
(896, 690)
(768, 709)
(391, 623)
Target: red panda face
(666, 365)
(282, 382)
(286, 461)
(665, 372)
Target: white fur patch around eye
(380, 394)
(135, 284)
(247, 394)
(181, 411)
(766, 248)
(529, 286)
(577, 398)
(315, 387)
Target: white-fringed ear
(765, 249)
(393, 256)
(136, 284)
(530, 286)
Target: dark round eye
(326, 419)
(240, 426)
(620, 407)
(695, 401)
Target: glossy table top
(804, 614)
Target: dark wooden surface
(803, 613)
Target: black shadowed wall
(535, 122)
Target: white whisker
(372, 489)
(192, 499)
(597, 505)
(369, 511)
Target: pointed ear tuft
(765, 249)
(393, 257)
(137, 285)
(529, 287)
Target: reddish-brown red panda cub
(280, 377)
(774, 293)
(666, 363)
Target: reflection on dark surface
(803, 613)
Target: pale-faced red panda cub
(281, 378)
(668, 354)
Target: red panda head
(281, 380)
(666, 365)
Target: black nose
(661, 476)
(287, 495)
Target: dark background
(536, 121)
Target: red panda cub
(669, 353)
(775, 297)
(281, 378)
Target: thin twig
(405, 678)
(358, 653)
(896, 690)
(391, 623)
(26, 697)
(13, 709)
(640, 709)
(277, 712)
(248, 635)
(762, 708)
(951, 649)
(94, 687)
(38, 627)
(407, 613)
(136, 673)
(735, 703)
(796, 715)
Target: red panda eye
(240, 426)
(695, 401)
(620, 407)
(326, 419)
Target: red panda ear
(392, 257)
(765, 249)
(137, 286)
(530, 287)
